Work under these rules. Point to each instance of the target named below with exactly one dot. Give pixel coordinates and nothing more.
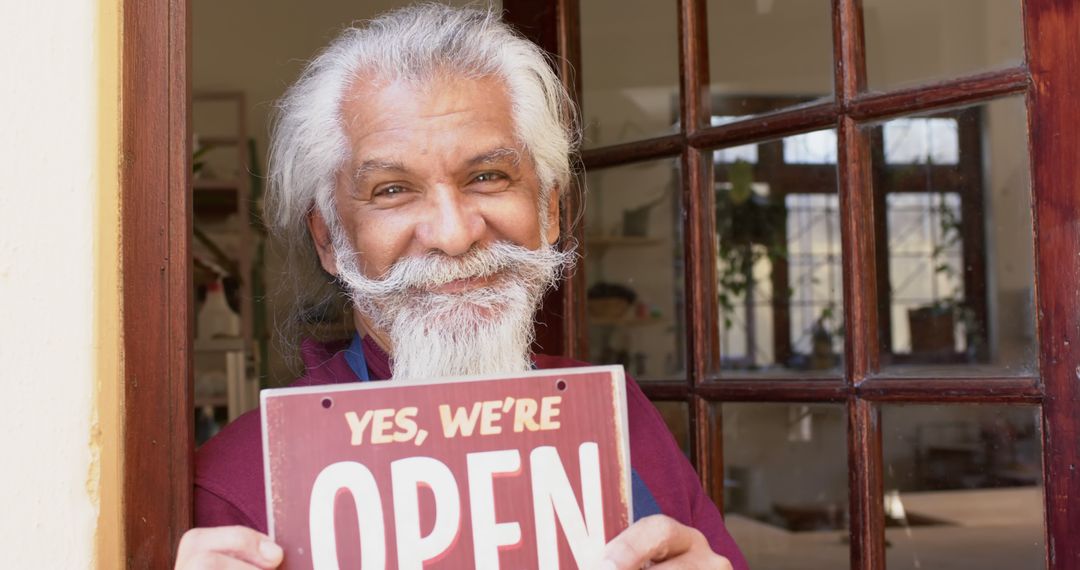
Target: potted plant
(933, 325)
(749, 228)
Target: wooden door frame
(1053, 59)
(156, 296)
(156, 225)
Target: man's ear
(554, 205)
(324, 246)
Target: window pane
(957, 280)
(963, 487)
(914, 41)
(629, 70)
(634, 269)
(768, 54)
(779, 279)
(786, 487)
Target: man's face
(435, 169)
(440, 240)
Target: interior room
(953, 272)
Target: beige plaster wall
(58, 267)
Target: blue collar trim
(354, 355)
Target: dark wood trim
(961, 91)
(791, 390)
(636, 151)
(575, 331)
(569, 46)
(856, 218)
(969, 390)
(879, 188)
(553, 27)
(973, 228)
(955, 390)
(861, 342)
(1051, 28)
(849, 50)
(666, 390)
(785, 122)
(697, 180)
(157, 300)
(694, 100)
(712, 468)
(866, 485)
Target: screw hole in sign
(560, 385)
(327, 403)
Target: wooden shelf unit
(215, 199)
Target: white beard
(487, 330)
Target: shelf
(221, 202)
(620, 241)
(215, 185)
(220, 345)
(627, 322)
(212, 141)
(214, 401)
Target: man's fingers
(651, 539)
(218, 561)
(235, 542)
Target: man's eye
(489, 177)
(393, 190)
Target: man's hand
(227, 547)
(662, 541)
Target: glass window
(963, 487)
(633, 263)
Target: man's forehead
(495, 155)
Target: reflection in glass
(769, 55)
(956, 273)
(963, 487)
(786, 488)
(779, 280)
(634, 269)
(630, 70)
(913, 41)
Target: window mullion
(861, 346)
(1052, 53)
(700, 270)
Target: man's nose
(453, 225)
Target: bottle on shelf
(216, 319)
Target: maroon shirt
(229, 488)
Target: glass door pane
(914, 41)
(629, 70)
(767, 55)
(963, 487)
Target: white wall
(48, 141)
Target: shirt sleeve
(671, 478)
(213, 510)
(708, 520)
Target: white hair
(417, 43)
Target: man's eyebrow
(496, 155)
(369, 166)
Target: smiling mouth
(466, 284)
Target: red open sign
(524, 472)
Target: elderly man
(420, 161)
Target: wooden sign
(525, 472)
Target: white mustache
(435, 270)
